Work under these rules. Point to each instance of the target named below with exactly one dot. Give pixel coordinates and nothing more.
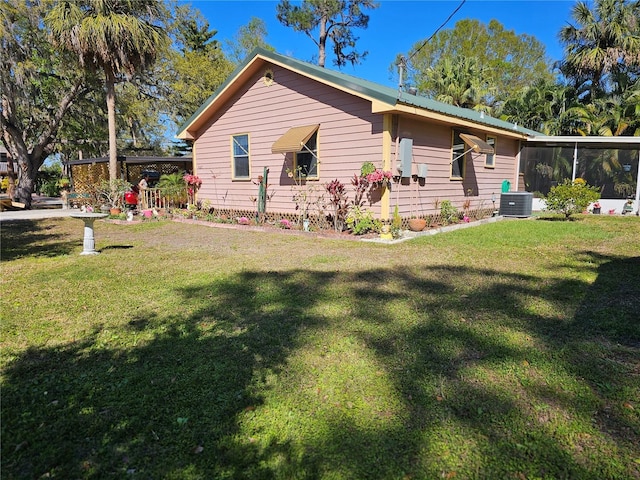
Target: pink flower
(466, 219)
(379, 176)
(193, 180)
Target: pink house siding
(349, 134)
(432, 146)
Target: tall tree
(605, 40)
(334, 20)
(39, 85)
(249, 37)
(613, 115)
(509, 61)
(458, 81)
(195, 35)
(115, 36)
(545, 106)
(188, 77)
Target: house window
(490, 158)
(306, 160)
(240, 163)
(458, 156)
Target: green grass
(510, 350)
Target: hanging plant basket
(417, 224)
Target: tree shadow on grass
(26, 238)
(469, 364)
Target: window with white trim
(240, 163)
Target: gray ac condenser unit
(516, 204)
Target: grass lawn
(506, 351)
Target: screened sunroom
(610, 163)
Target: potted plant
(112, 192)
(596, 208)
(379, 178)
(64, 183)
(417, 224)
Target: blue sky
(394, 27)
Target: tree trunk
(111, 112)
(26, 170)
(322, 42)
(26, 182)
(11, 173)
(27, 160)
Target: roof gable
(383, 98)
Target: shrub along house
(309, 125)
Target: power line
(438, 29)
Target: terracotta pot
(417, 224)
(115, 211)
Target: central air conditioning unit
(516, 204)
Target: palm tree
(611, 116)
(173, 187)
(457, 81)
(115, 36)
(544, 106)
(603, 41)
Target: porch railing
(152, 198)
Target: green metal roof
(365, 88)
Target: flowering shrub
(193, 184)
(571, 197)
(380, 177)
(244, 221)
(193, 180)
(286, 224)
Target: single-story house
(309, 125)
